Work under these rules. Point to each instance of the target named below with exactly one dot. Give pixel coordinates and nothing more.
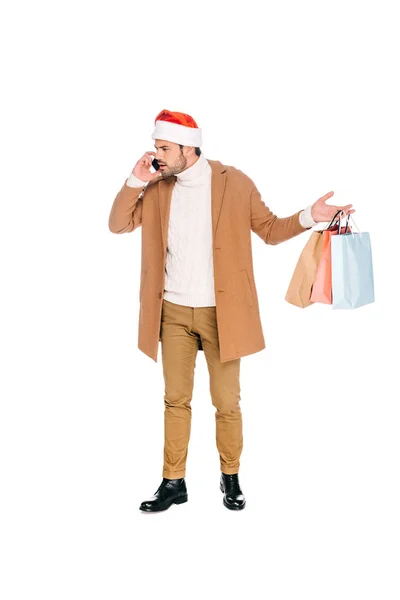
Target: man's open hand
(321, 212)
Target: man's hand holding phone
(142, 167)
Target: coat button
(160, 295)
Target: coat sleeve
(126, 211)
(272, 229)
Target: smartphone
(155, 164)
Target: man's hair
(197, 150)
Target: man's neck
(195, 172)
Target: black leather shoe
(233, 495)
(170, 491)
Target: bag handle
(347, 223)
(333, 219)
(332, 222)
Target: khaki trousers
(182, 329)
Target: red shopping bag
(321, 290)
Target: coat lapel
(218, 183)
(164, 198)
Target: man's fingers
(328, 195)
(345, 209)
(147, 158)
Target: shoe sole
(228, 505)
(180, 500)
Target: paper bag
(322, 287)
(352, 270)
(299, 289)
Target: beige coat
(237, 209)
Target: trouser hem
(174, 474)
(229, 470)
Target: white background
(303, 98)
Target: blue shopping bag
(352, 270)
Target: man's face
(171, 158)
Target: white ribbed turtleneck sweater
(189, 269)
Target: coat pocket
(247, 286)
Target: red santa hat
(177, 127)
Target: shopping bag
(299, 289)
(300, 286)
(352, 270)
(322, 287)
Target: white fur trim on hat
(180, 134)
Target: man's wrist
(134, 181)
(306, 219)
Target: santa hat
(177, 127)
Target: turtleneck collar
(195, 173)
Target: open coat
(237, 210)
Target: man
(197, 288)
